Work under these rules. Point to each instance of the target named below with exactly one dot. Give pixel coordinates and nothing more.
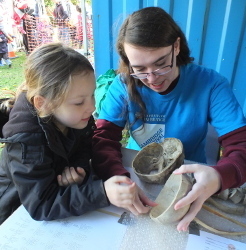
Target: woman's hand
(70, 176)
(207, 183)
(123, 192)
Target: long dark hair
(148, 27)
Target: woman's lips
(158, 85)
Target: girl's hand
(123, 192)
(207, 183)
(70, 176)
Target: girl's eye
(79, 104)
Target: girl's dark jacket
(34, 154)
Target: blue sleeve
(225, 113)
(114, 107)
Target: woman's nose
(152, 77)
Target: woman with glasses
(161, 93)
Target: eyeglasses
(158, 72)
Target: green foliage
(125, 137)
(75, 2)
(48, 3)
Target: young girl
(45, 162)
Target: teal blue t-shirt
(201, 96)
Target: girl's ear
(39, 102)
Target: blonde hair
(48, 72)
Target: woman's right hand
(123, 192)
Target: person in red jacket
(23, 20)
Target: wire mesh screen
(42, 30)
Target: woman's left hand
(207, 183)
